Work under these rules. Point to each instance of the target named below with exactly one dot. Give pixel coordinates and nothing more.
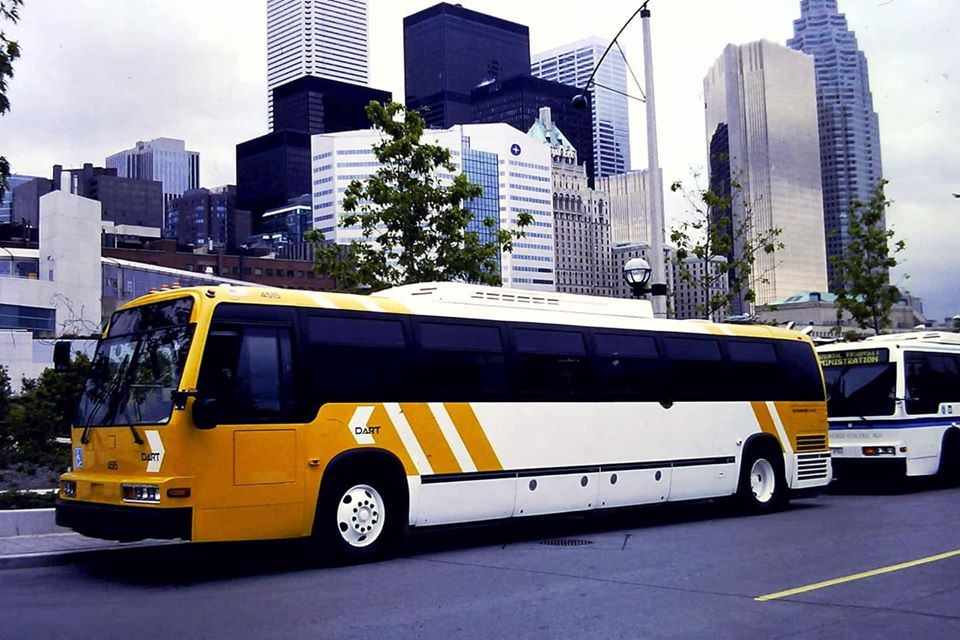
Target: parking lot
(680, 571)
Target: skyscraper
(323, 38)
(761, 126)
(448, 51)
(849, 128)
(572, 64)
(318, 105)
(164, 160)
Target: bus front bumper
(125, 523)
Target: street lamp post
(658, 288)
(637, 274)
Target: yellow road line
(857, 576)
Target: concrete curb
(71, 556)
(28, 522)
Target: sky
(96, 76)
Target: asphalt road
(683, 571)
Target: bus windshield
(859, 383)
(138, 366)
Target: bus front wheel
(359, 517)
(762, 487)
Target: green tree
(714, 232)
(864, 266)
(9, 51)
(414, 223)
(41, 412)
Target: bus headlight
(68, 489)
(140, 493)
(879, 451)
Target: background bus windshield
(860, 390)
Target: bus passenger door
(255, 489)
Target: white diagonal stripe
(358, 423)
(156, 446)
(779, 425)
(409, 440)
(450, 432)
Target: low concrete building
(817, 313)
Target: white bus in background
(894, 400)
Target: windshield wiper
(112, 385)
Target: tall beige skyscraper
(764, 151)
(322, 38)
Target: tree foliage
(9, 52)
(863, 269)
(42, 411)
(415, 223)
(714, 232)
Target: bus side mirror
(205, 413)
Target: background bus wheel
(762, 486)
(359, 516)
(949, 471)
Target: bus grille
(816, 442)
(813, 466)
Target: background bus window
(550, 364)
(357, 359)
(460, 362)
(627, 367)
(249, 370)
(931, 378)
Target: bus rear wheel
(762, 487)
(359, 516)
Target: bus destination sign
(854, 358)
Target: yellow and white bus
(238, 413)
(894, 403)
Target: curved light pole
(658, 288)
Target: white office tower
(761, 126)
(629, 196)
(165, 160)
(572, 64)
(513, 170)
(322, 38)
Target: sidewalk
(48, 549)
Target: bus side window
(697, 369)
(460, 362)
(628, 367)
(356, 358)
(801, 371)
(931, 378)
(756, 371)
(249, 371)
(550, 364)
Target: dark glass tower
(849, 129)
(449, 50)
(517, 102)
(320, 105)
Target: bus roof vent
(461, 293)
(940, 337)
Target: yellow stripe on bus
(430, 437)
(346, 301)
(471, 432)
(388, 438)
(765, 420)
(390, 306)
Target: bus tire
(361, 514)
(949, 471)
(762, 487)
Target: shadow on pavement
(880, 484)
(189, 564)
